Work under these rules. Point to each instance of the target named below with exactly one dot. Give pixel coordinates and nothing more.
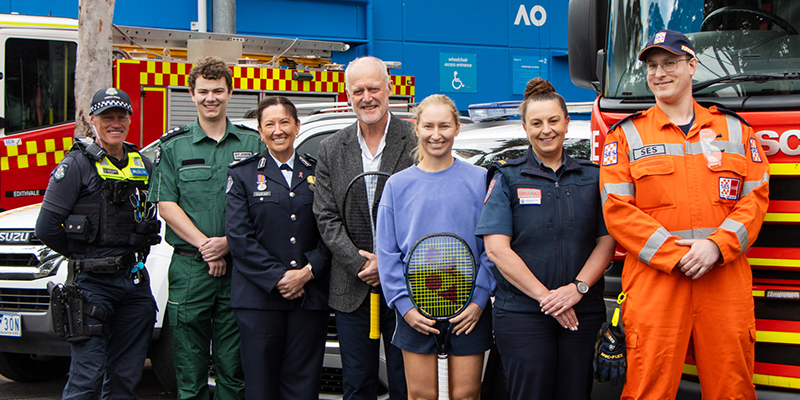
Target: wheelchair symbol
(457, 84)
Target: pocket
(655, 187)
(729, 176)
(631, 338)
(194, 185)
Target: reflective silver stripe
(632, 134)
(621, 189)
(654, 243)
(739, 229)
(734, 129)
(694, 149)
(702, 233)
(749, 186)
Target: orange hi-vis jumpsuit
(658, 187)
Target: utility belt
(106, 265)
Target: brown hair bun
(538, 86)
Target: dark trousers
(282, 352)
(541, 359)
(113, 361)
(360, 354)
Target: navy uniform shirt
(553, 219)
(271, 229)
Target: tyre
(162, 359)
(32, 368)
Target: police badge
(60, 172)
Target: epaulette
(172, 133)
(245, 127)
(307, 160)
(634, 115)
(89, 147)
(244, 160)
(586, 162)
(733, 113)
(500, 164)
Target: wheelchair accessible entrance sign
(458, 73)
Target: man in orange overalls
(685, 191)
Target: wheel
(776, 20)
(162, 359)
(32, 368)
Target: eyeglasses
(668, 65)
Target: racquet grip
(374, 314)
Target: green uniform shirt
(192, 171)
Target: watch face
(583, 287)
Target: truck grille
(18, 260)
(24, 300)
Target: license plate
(10, 325)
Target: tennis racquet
(440, 277)
(359, 214)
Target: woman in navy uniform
(543, 228)
(279, 287)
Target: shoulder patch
(244, 161)
(230, 184)
(489, 190)
(172, 133)
(245, 127)
(60, 172)
(733, 113)
(634, 115)
(610, 154)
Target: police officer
(543, 229)
(189, 185)
(280, 263)
(94, 213)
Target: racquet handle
(374, 313)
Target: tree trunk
(93, 68)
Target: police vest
(109, 213)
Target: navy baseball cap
(110, 98)
(671, 41)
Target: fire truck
(747, 53)
(37, 104)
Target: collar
(363, 143)
(289, 162)
(198, 134)
(535, 167)
(702, 118)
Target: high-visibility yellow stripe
(777, 381)
(776, 262)
(784, 169)
(12, 150)
(41, 159)
(49, 145)
(782, 217)
(758, 293)
(4, 164)
(22, 161)
(778, 337)
(31, 147)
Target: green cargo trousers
(200, 314)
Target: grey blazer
(339, 161)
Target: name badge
(649, 151)
(262, 194)
(529, 196)
(241, 155)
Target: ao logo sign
(537, 15)
(772, 146)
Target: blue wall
(504, 44)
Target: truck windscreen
(744, 47)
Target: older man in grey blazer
(378, 141)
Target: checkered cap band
(106, 104)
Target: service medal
(261, 180)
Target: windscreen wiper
(762, 77)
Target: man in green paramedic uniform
(189, 185)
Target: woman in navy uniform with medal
(279, 287)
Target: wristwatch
(312, 271)
(582, 286)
